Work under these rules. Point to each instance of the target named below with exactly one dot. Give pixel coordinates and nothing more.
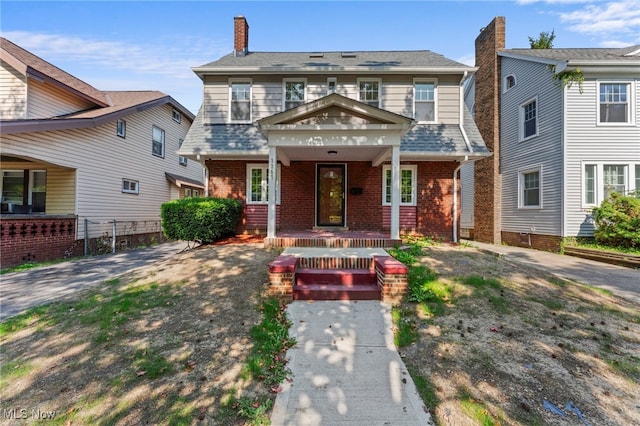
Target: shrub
(200, 219)
(618, 221)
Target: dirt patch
(551, 340)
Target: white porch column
(395, 192)
(271, 212)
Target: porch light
(330, 175)
(332, 152)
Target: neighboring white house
(71, 149)
(561, 150)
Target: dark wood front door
(330, 198)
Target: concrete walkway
(346, 369)
(621, 281)
(22, 290)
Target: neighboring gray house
(365, 140)
(559, 151)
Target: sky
(153, 45)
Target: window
(257, 184)
(121, 128)
(181, 160)
(294, 93)
(424, 95)
(529, 119)
(638, 179)
(407, 185)
(196, 193)
(614, 103)
(614, 178)
(590, 184)
(130, 186)
(187, 192)
(369, 92)
(530, 188)
(18, 184)
(332, 85)
(240, 104)
(158, 142)
(177, 117)
(509, 82)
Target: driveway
(22, 290)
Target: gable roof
(579, 56)
(29, 64)
(388, 62)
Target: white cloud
(610, 18)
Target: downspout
(463, 162)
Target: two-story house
(358, 140)
(71, 152)
(559, 150)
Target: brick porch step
(346, 277)
(336, 292)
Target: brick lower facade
(551, 243)
(363, 192)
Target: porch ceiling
(325, 153)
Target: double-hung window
(529, 119)
(258, 184)
(240, 101)
(157, 145)
(408, 185)
(614, 178)
(294, 93)
(530, 188)
(424, 100)
(614, 103)
(369, 92)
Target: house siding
(13, 93)
(45, 100)
(544, 150)
(98, 182)
(586, 141)
(267, 94)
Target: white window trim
(177, 117)
(521, 137)
(630, 179)
(435, 96)
(242, 81)
(284, 90)
(505, 85)
(521, 173)
(333, 80)
(130, 191)
(414, 183)
(378, 80)
(265, 183)
(121, 132)
(631, 112)
(164, 141)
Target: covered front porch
(331, 238)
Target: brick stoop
(336, 284)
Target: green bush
(200, 219)
(618, 221)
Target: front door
(330, 197)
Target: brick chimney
(240, 36)
(488, 180)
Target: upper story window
(130, 186)
(509, 82)
(294, 93)
(529, 119)
(530, 184)
(369, 92)
(332, 85)
(121, 128)
(240, 101)
(408, 186)
(177, 117)
(157, 145)
(424, 101)
(614, 103)
(181, 160)
(258, 184)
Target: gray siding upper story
(543, 151)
